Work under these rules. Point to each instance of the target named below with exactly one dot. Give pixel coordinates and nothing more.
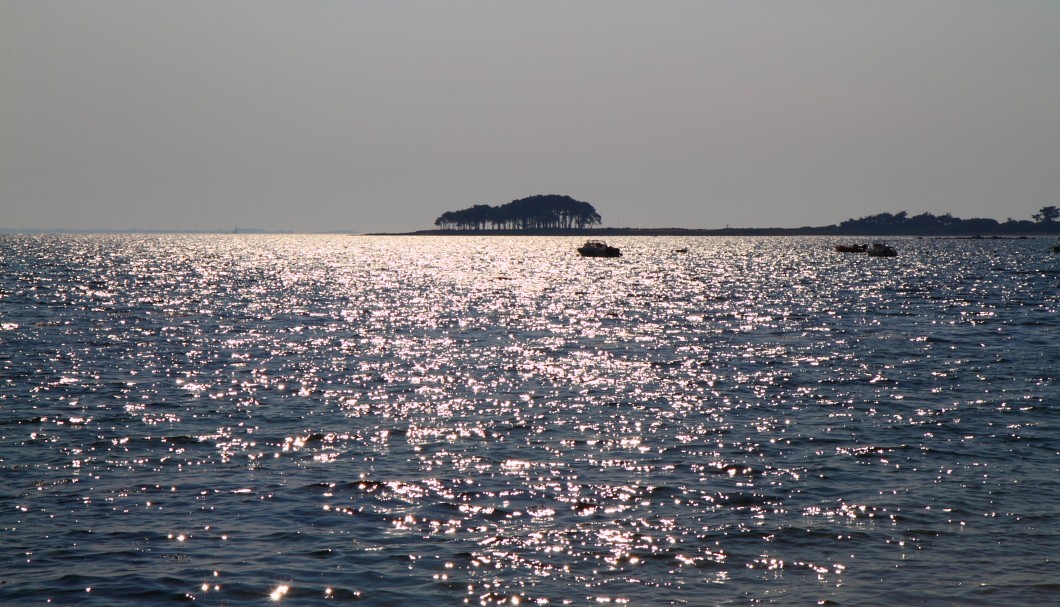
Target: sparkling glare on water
(245, 420)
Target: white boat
(598, 248)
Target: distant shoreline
(833, 231)
(824, 231)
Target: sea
(239, 419)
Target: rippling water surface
(239, 420)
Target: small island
(541, 212)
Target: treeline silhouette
(541, 212)
(926, 223)
(556, 212)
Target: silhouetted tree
(1047, 215)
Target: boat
(598, 248)
(851, 248)
(878, 249)
(1056, 248)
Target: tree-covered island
(541, 212)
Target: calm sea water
(242, 420)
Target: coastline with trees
(927, 224)
(555, 214)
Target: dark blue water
(245, 420)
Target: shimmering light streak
(502, 422)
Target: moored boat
(598, 248)
(851, 248)
(878, 249)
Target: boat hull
(596, 248)
(881, 250)
(608, 252)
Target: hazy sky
(313, 115)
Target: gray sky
(324, 114)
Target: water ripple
(245, 419)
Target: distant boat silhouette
(878, 249)
(851, 248)
(598, 248)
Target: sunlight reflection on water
(499, 421)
